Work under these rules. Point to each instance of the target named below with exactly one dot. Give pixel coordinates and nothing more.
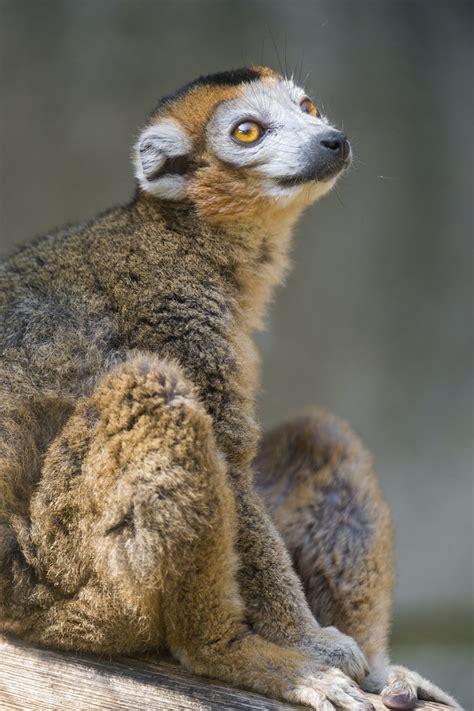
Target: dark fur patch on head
(233, 77)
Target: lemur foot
(401, 688)
(332, 648)
(327, 691)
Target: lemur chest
(210, 342)
(200, 329)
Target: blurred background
(375, 321)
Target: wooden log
(33, 679)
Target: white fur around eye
(156, 144)
(286, 144)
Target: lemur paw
(332, 648)
(401, 689)
(329, 690)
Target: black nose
(337, 143)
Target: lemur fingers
(329, 690)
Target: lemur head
(238, 144)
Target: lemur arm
(273, 594)
(271, 589)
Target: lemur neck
(260, 254)
(250, 257)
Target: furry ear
(163, 160)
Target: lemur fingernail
(401, 702)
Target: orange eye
(308, 107)
(247, 132)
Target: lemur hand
(332, 648)
(328, 690)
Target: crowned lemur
(138, 510)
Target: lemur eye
(308, 107)
(247, 132)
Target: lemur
(138, 509)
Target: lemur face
(240, 142)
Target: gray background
(375, 321)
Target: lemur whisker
(300, 70)
(340, 199)
(277, 53)
(285, 56)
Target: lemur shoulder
(138, 509)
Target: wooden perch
(34, 679)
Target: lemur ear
(163, 160)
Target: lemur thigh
(318, 484)
(130, 543)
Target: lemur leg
(130, 543)
(317, 481)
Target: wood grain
(34, 679)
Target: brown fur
(317, 481)
(129, 519)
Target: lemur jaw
(246, 145)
